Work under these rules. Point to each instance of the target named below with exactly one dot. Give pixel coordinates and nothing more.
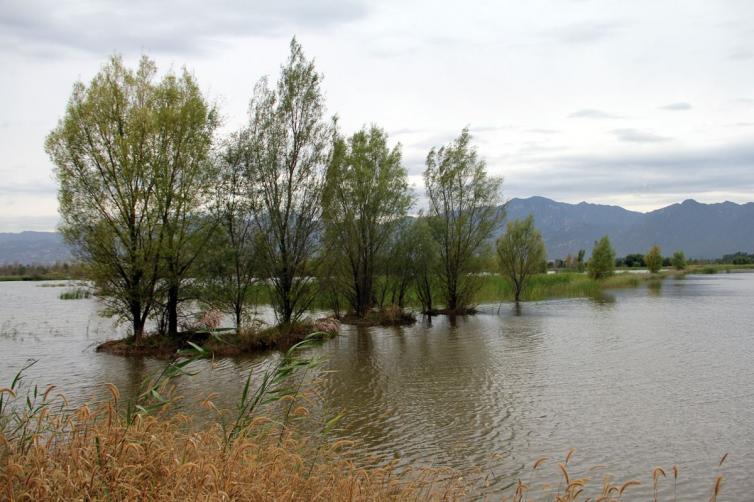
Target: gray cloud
(37, 187)
(741, 55)
(173, 26)
(638, 136)
(591, 113)
(679, 106)
(586, 32)
(679, 173)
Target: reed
(50, 451)
(75, 294)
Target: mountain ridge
(705, 231)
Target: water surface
(650, 376)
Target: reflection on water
(659, 375)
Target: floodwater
(645, 377)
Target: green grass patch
(75, 294)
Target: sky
(640, 103)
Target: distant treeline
(56, 271)
(637, 260)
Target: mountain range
(700, 230)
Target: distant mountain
(38, 248)
(700, 230)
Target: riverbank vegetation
(168, 217)
(54, 272)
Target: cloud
(741, 55)
(44, 28)
(674, 173)
(36, 187)
(679, 106)
(586, 32)
(638, 136)
(591, 113)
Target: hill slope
(700, 230)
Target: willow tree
(602, 263)
(653, 259)
(290, 143)
(183, 177)
(366, 197)
(463, 212)
(106, 149)
(228, 270)
(521, 253)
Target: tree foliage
(229, 268)
(678, 260)
(602, 263)
(463, 213)
(290, 144)
(653, 259)
(521, 253)
(366, 199)
(129, 153)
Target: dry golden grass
(87, 456)
(48, 452)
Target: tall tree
(230, 268)
(423, 263)
(105, 150)
(521, 253)
(183, 178)
(653, 259)
(602, 263)
(679, 260)
(366, 197)
(290, 144)
(463, 203)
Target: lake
(652, 376)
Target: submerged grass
(75, 294)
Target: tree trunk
(172, 308)
(138, 326)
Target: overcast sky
(639, 103)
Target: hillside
(700, 230)
(39, 248)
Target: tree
(366, 198)
(290, 146)
(653, 259)
(602, 263)
(112, 149)
(183, 177)
(229, 270)
(521, 253)
(423, 263)
(580, 260)
(463, 213)
(679, 260)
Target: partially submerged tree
(183, 177)
(679, 260)
(602, 263)
(290, 145)
(463, 211)
(424, 261)
(366, 198)
(653, 259)
(105, 150)
(521, 253)
(230, 268)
